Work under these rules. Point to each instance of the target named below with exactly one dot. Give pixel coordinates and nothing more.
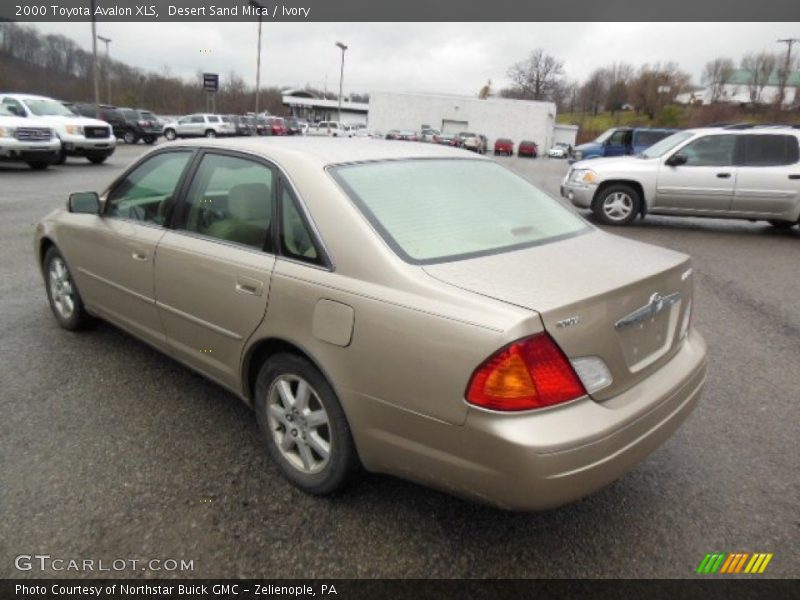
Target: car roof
(331, 151)
(754, 129)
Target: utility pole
(341, 78)
(783, 75)
(94, 56)
(107, 41)
(260, 9)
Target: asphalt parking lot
(110, 450)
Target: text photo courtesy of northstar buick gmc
(409, 309)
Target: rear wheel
(170, 134)
(210, 133)
(65, 301)
(149, 140)
(130, 137)
(304, 426)
(617, 205)
(39, 165)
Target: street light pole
(94, 57)
(260, 9)
(341, 78)
(107, 41)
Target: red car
(446, 139)
(528, 148)
(504, 146)
(276, 126)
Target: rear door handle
(723, 175)
(139, 255)
(794, 176)
(247, 285)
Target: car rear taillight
(530, 373)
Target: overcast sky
(425, 57)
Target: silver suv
(200, 125)
(733, 172)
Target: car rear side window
(436, 210)
(768, 150)
(230, 199)
(648, 138)
(297, 241)
(144, 193)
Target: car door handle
(723, 175)
(794, 176)
(139, 255)
(246, 285)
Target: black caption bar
(395, 589)
(405, 10)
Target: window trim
(324, 260)
(179, 191)
(693, 139)
(740, 156)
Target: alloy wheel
(299, 424)
(618, 206)
(61, 288)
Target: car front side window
(710, 151)
(230, 199)
(144, 193)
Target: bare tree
(716, 74)
(759, 67)
(656, 86)
(618, 78)
(593, 92)
(537, 75)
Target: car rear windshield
(439, 210)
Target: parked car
(504, 146)
(528, 148)
(473, 142)
(141, 125)
(713, 172)
(620, 141)
(261, 125)
(292, 275)
(428, 134)
(104, 112)
(199, 125)
(559, 150)
(243, 125)
(447, 139)
(276, 126)
(295, 126)
(328, 128)
(27, 140)
(80, 136)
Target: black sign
(210, 82)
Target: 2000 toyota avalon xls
(409, 308)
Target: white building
(304, 104)
(494, 117)
(739, 89)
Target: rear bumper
(546, 458)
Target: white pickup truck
(80, 136)
(27, 140)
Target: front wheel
(61, 158)
(65, 301)
(783, 224)
(304, 426)
(39, 165)
(130, 137)
(170, 134)
(617, 205)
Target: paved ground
(113, 451)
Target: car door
(184, 126)
(615, 145)
(114, 251)
(768, 179)
(705, 182)
(213, 270)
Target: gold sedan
(406, 308)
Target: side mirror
(677, 160)
(87, 203)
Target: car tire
(61, 158)
(96, 158)
(62, 293)
(39, 165)
(617, 205)
(783, 224)
(210, 133)
(170, 134)
(130, 137)
(149, 140)
(296, 441)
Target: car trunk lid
(597, 295)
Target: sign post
(211, 85)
